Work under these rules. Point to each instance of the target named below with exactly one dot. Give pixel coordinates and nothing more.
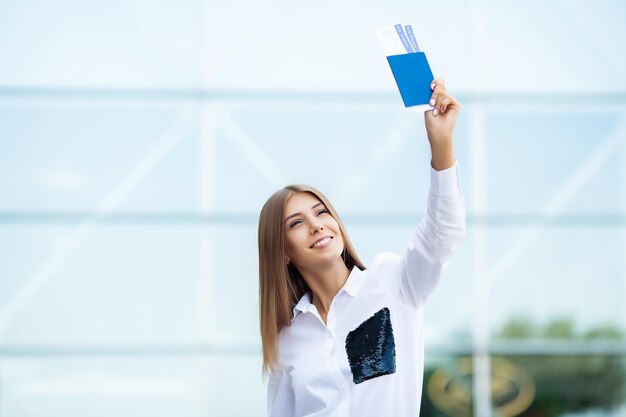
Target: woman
(339, 339)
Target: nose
(316, 224)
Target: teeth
(321, 242)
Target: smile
(322, 243)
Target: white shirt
(368, 360)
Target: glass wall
(139, 141)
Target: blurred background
(140, 139)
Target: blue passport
(413, 77)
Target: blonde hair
(280, 284)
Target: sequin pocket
(371, 348)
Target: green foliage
(522, 327)
(560, 329)
(517, 328)
(564, 382)
(606, 332)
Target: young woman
(340, 339)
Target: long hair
(280, 284)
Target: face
(306, 221)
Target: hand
(440, 121)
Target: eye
(319, 212)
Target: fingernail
(432, 86)
(432, 101)
(435, 112)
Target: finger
(454, 105)
(433, 98)
(439, 87)
(438, 81)
(441, 97)
(444, 103)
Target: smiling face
(307, 220)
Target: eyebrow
(298, 213)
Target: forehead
(300, 202)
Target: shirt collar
(352, 286)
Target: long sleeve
(280, 399)
(436, 237)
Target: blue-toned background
(140, 139)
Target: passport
(408, 64)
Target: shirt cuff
(446, 181)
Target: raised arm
(440, 124)
(443, 227)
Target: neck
(326, 283)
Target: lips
(320, 239)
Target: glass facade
(139, 141)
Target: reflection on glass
(549, 370)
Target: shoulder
(283, 335)
(287, 338)
(282, 345)
(385, 260)
(386, 269)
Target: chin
(326, 261)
